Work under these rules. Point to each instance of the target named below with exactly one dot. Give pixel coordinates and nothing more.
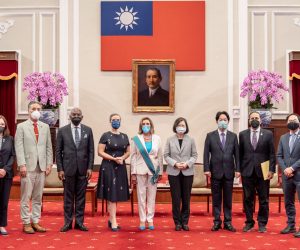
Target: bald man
(75, 160)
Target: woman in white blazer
(180, 154)
(142, 176)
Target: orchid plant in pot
(49, 89)
(263, 88)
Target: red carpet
(163, 237)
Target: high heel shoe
(109, 226)
(151, 227)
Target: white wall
(233, 41)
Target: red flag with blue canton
(153, 30)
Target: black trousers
(181, 187)
(74, 192)
(290, 186)
(251, 185)
(5, 186)
(222, 190)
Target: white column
(63, 55)
(243, 58)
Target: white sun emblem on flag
(126, 18)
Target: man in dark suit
(74, 159)
(221, 163)
(256, 147)
(288, 156)
(154, 95)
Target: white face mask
(35, 115)
(180, 130)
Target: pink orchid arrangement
(47, 88)
(263, 87)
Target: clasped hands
(2, 173)
(119, 160)
(181, 165)
(289, 172)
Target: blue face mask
(146, 129)
(115, 124)
(222, 125)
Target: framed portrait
(153, 87)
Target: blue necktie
(223, 140)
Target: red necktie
(36, 131)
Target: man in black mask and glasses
(288, 156)
(75, 160)
(256, 147)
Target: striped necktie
(77, 139)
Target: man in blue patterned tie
(75, 159)
(288, 156)
(221, 163)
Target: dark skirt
(113, 182)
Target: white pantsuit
(146, 192)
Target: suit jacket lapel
(184, 142)
(69, 131)
(249, 139)
(260, 138)
(296, 143)
(31, 129)
(218, 140)
(82, 134)
(228, 138)
(176, 142)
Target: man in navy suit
(154, 95)
(256, 147)
(288, 156)
(74, 159)
(221, 163)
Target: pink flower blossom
(47, 88)
(263, 88)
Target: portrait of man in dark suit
(154, 94)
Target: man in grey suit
(288, 156)
(34, 157)
(221, 162)
(75, 160)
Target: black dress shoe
(178, 227)
(185, 228)
(297, 234)
(66, 228)
(229, 227)
(216, 227)
(109, 225)
(248, 227)
(81, 227)
(288, 230)
(262, 229)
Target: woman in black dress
(7, 157)
(113, 182)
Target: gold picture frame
(153, 88)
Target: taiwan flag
(153, 30)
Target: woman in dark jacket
(7, 157)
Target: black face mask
(254, 124)
(76, 120)
(293, 125)
(2, 129)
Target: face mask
(180, 130)
(146, 129)
(254, 124)
(293, 125)
(115, 124)
(2, 129)
(35, 115)
(76, 120)
(222, 124)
